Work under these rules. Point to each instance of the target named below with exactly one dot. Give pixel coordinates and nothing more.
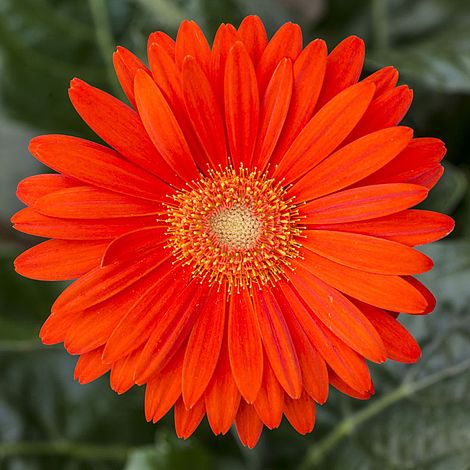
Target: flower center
(234, 226)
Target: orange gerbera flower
(246, 238)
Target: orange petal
(95, 325)
(163, 40)
(241, 105)
(385, 111)
(400, 345)
(204, 112)
(103, 283)
(32, 188)
(424, 291)
(225, 37)
(428, 178)
(55, 328)
(352, 163)
(34, 223)
(138, 322)
(134, 245)
(273, 112)
(168, 78)
(352, 361)
(221, 413)
(91, 329)
(384, 291)
(205, 341)
(121, 378)
(343, 387)
(286, 43)
(277, 342)
(420, 155)
(349, 365)
(88, 202)
(325, 131)
(120, 127)
(163, 128)
(384, 79)
(312, 365)
(300, 413)
(363, 203)
(410, 227)
(366, 253)
(164, 389)
(126, 65)
(253, 35)
(248, 425)
(337, 312)
(246, 357)
(187, 420)
(166, 75)
(343, 68)
(171, 330)
(89, 367)
(269, 403)
(97, 165)
(191, 41)
(60, 260)
(309, 70)
(85, 330)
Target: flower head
(245, 239)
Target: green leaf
(24, 304)
(48, 415)
(430, 44)
(419, 433)
(15, 164)
(40, 57)
(171, 454)
(144, 459)
(167, 13)
(214, 12)
(449, 191)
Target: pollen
(235, 226)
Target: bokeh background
(420, 415)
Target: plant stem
(104, 37)
(65, 448)
(166, 12)
(380, 29)
(345, 428)
(22, 345)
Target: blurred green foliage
(420, 416)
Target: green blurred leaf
(166, 12)
(171, 454)
(449, 191)
(40, 57)
(15, 165)
(430, 44)
(429, 431)
(144, 459)
(43, 411)
(214, 12)
(24, 304)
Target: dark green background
(420, 415)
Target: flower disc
(235, 226)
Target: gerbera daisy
(245, 239)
